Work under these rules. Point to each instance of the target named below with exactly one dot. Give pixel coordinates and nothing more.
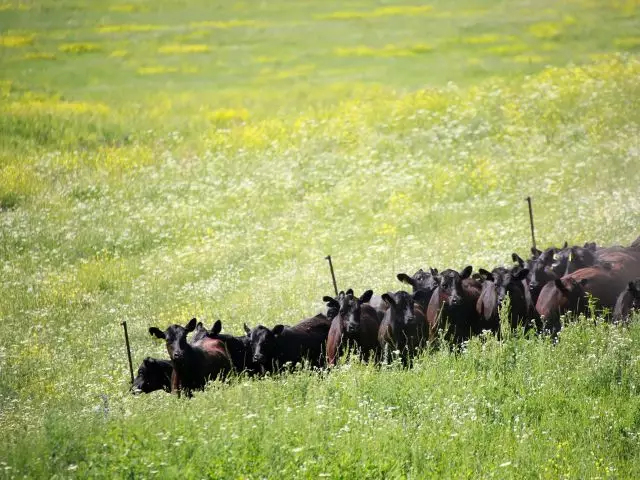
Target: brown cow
(604, 284)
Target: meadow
(170, 159)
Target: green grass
(141, 184)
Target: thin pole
(126, 341)
(333, 275)
(533, 235)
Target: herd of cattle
(449, 305)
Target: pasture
(167, 160)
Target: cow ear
(517, 259)
(349, 292)
(366, 296)
(247, 330)
(466, 273)
(278, 329)
(521, 274)
(486, 275)
(560, 286)
(566, 245)
(331, 302)
(217, 327)
(156, 332)
(535, 253)
(404, 278)
(434, 271)
(191, 326)
(389, 298)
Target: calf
(403, 326)
(453, 306)
(238, 348)
(497, 285)
(356, 323)
(273, 348)
(627, 301)
(153, 374)
(193, 363)
(421, 280)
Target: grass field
(163, 160)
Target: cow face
(451, 285)
(421, 280)
(401, 303)
(153, 374)
(350, 310)
(263, 343)
(176, 339)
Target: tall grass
(146, 178)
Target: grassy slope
(152, 187)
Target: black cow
(496, 286)
(422, 280)
(453, 306)
(356, 324)
(193, 363)
(273, 348)
(540, 272)
(403, 327)
(153, 374)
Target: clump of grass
(487, 38)
(391, 11)
(508, 49)
(530, 58)
(16, 41)
(182, 48)
(228, 115)
(386, 51)
(225, 24)
(131, 28)
(546, 30)
(80, 48)
(627, 43)
(40, 56)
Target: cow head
(401, 304)
(421, 280)
(350, 310)
(176, 339)
(263, 343)
(451, 284)
(153, 374)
